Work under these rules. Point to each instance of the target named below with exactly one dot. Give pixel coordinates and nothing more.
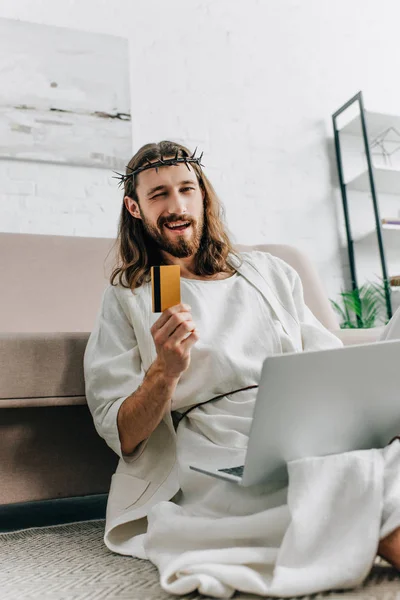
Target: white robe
(217, 537)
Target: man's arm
(174, 334)
(112, 366)
(141, 412)
(125, 404)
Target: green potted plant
(363, 307)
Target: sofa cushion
(42, 369)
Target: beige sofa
(51, 292)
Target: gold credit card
(165, 286)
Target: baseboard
(23, 515)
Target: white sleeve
(112, 367)
(314, 335)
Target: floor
(52, 512)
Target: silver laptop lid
(324, 402)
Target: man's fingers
(182, 332)
(192, 338)
(167, 314)
(184, 342)
(173, 321)
(177, 323)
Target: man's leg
(389, 547)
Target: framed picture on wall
(65, 96)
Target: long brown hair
(137, 252)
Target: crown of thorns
(162, 162)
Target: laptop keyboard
(238, 471)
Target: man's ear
(132, 207)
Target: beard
(183, 246)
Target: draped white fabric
(323, 536)
(320, 533)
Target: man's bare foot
(389, 548)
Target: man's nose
(177, 203)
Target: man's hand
(174, 333)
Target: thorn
(187, 165)
(195, 150)
(176, 155)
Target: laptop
(319, 403)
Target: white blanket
(322, 534)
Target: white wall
(253, 84)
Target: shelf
(385, 231)
(387, 181)
(390, 226)
(376, 123)
(384, 129)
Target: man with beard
(205, 355)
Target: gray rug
(70, 562)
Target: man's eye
(162, 194)
(187, 188)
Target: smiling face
(171, 207)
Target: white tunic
(218, 537)
(237, 330)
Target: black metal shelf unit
(358, 98)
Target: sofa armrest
(49, 446)
(352, 337)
